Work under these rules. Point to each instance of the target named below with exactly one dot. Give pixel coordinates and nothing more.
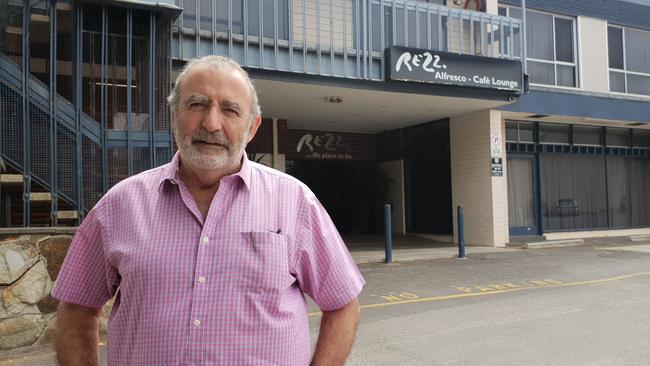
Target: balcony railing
(341, 38)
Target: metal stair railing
(44, 168)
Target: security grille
(11, 112)
(92, 173)
(66, 162)
(39, 143)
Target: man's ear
(255, 125)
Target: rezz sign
(425, 60)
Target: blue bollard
(461, 233)
(388, 234)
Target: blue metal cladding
(614, 11)
(565, 104)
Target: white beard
(227, 156)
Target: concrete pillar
(395, 170)
(484, 197)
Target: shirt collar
(171, 174)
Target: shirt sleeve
(323, 265)
(86, 278)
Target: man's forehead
(204, 79)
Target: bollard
(388, 234)
(461, 233)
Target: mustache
(204, 135)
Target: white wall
(592, 54)
(484, 197)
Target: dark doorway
(350, 192)
(427, 172)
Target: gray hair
(216, 62)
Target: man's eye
(231, 112)
(197, 106)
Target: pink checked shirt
(227, 290)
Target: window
(587, 135)
(641, 138)
(552, 133)
(519, 131)
(618, 137)
(629, 70)
(551, 46)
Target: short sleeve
(86, 278)
(323, 265)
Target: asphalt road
(573, 306)
(587, 305)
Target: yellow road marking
(459, 296)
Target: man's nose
(213, 120)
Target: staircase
(28, 169)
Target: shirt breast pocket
(262, 264)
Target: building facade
(536, 126)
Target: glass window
(526, 131)
(566, 75)
(637, 50)
(615, 46)
(551, 44)
(587, 135)
(511, 132)
(638, 84)
(573, 191)
(564, 40)
(618, 137)
(553, 133)
(641, 138)
(629, 198)
(541, 73)
(540, 35)
(629, 50)
(617, 81)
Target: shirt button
(206, 240)
(197, 322)
(201, 279)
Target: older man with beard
(209, 256)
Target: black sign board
(497, 167)
(428, 66)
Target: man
(210, 254)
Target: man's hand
(77, 335)
(337, 330)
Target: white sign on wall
(495, 145)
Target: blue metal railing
(341, 38)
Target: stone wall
(29, 265)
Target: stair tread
(67, 215)
(11, 179)
(40, 196)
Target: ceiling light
(335, 100)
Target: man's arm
(77, 335)
(337, 330)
